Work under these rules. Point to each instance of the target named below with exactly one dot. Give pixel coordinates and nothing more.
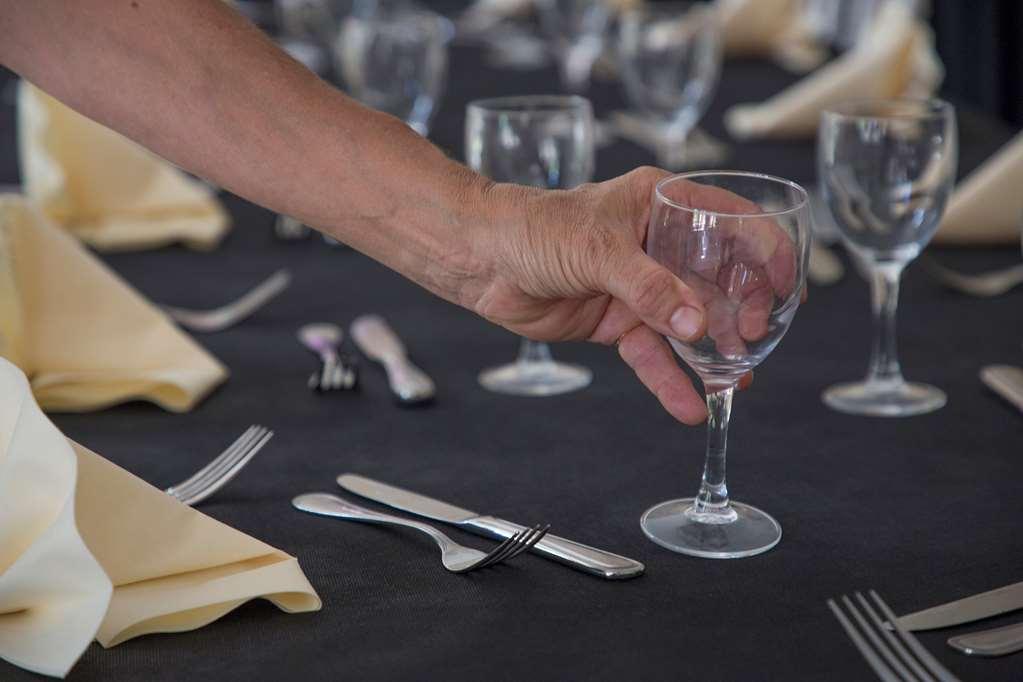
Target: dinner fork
(890, 650)
(222, 469)
(455, 557)
(219, 319)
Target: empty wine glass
(886, 169)
(542, 141)
(575, 29)
(670, 58)
(741, 241)
(396, 60)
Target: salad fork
(455, 557)
(222, 469)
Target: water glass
(741, 241)
(575, 29)
(886, 169)
(670, 59)
(396, 60)
(541, 141)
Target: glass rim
(551, 105)
(804, 197)
(929, 107)
(671, 6)
(397, 16)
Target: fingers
(652, 361)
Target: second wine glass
(542, 141)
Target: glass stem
(533, 352)
(711, 504)
(884, 294)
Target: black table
(923, 509)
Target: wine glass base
(880, 400)
(535, 378)
(673, 525)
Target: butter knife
(589, 559)
(966, 610)
(995, 642)
(1006, 381)
(378, 342)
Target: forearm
(197, 84)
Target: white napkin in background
(107, 190)
(987, 206)
(84, 336)
(89, 551)
(770, 28)
(896, 59)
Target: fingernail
(686, 323)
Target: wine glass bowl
(741, 242)
(575, 29)
(886, 170)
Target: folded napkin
(84, 337)
(770, 28)
(88, 551)
(895, 59)
(106, 189)
(987, 206)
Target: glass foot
(676, 526)
(882, 400)
(535, 378)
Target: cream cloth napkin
(106, 189)
(89, 551)
(85, 337)
(987, 207)
(770, 28)
(896, 59)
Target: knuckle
(651, 290)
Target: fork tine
(223, 461)
(885, 650)
(913, 643)
(894, 644)
(228, 474)
(877, 665)
(534, 536)
(233, 447)
(497, 554)
(227, 464)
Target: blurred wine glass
(576, 31)
(395, 59)
(886, 169)
(542, 141)
(670, 58)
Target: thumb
(656, 296)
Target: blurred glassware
(305, 30)
(741, 243)
(843, 23)
(575, 29)
(670, 59)
(542, 141)
(396, 60)
(886, 169)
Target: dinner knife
(589, 559)
(995, 642)
(966, 610)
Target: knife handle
(996, 642)
(574, 554)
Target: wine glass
(741, 241)
(542, 141)
(670, 59)
(395, 59)
(576, 31)
(886, 169)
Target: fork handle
(575, 554)
(332, 505)
(996, 642)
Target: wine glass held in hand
(741, 241)
(542, 141)
(886, 169)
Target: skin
(196, 83)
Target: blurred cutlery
(219, 319)
(287, 228)
(1006, 381)
(994, 642)
(378, 342)
(222, 469)
(337, 370)
(984, 285)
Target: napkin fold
(895, 59)
(107, 190)
(770, 28)
(88, 550)
(987, 206)
(84, 336)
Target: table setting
(232, 451)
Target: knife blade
(997, 642)
(1006, 381)
(582, 557)
(966, 610)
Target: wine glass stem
(533, 352)
(711, 504)
(884, 290)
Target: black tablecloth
(923, 509)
